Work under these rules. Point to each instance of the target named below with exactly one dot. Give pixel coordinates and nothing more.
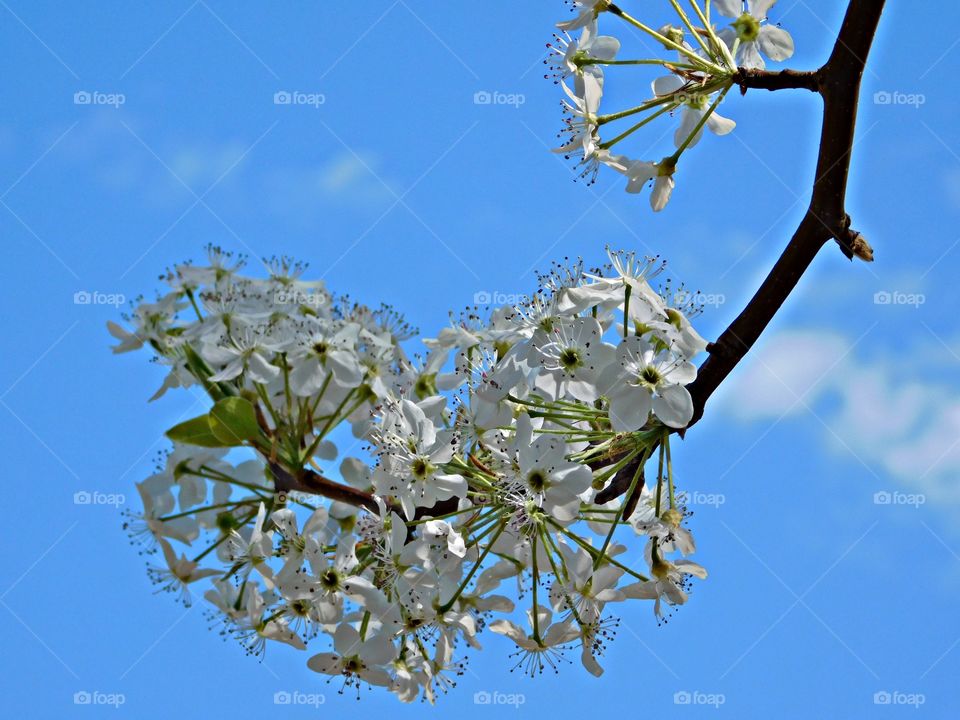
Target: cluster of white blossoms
(701, 69)
(505, 490)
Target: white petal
(232, 370)
(605, 48)
(326, 663)
(719, 125)
(307, 377)
(691, 568)
(730, 8)
(346, 640)
(644, 590)
(260, 370)
(673, 406)
(511, 630)
(662, 190)
(377, 650)
(775, 43)
(688, 121)
(590, 662)
(629, 410)
(666, 84)
(760, 8)
(749, 57)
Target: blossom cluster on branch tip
(482, 498)
(701, 65)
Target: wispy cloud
(886, 410)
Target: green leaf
(197, 431)
(234, 420)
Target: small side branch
(748, 78)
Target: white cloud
(307, 190)
(794, 366)
(887, 413)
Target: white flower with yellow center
(751, 34)
(645, 379)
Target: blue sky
(400, 187)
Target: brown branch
(313, 483)
(780, 80)
(838, 82)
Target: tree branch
(838, 82)
(780, 80)
(313, 483)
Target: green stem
(633, 486)
(696, 59)
(192, 511)
(629, 131)
(666, 444)
(693, 31)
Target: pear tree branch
(838, 83)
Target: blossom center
(747, 28)
(649, 377)
(330, 580)
(570, 359)
(537, 480)
(421, 469)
